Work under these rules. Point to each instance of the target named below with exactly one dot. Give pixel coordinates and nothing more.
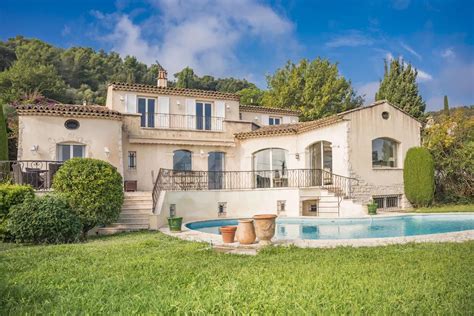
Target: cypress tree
(3, 136)
(446, 105)
(399, 87)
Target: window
(182, 160)
(132, 160)
(385, 115)
(270, 168)
(203, 115)
(71, 124)
(146, 107)
(384, 153)
(68, 151)
(274, 121)
(387, 202)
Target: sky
(251, 38)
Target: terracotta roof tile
(269, 110)
(174, 91)
(289, 129)
(94, 111)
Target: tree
(450, 140)
(24, 78)
(3, 136)
(251, 96)
(418, 176)
(315, 88)
(399, 87)
(446, 105)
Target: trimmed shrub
(48, 219)
(11, 195)
(418, 176)
(93, 188)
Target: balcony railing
(178, 121)
(173, 180)
(37, 173)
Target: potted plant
(175, 223)
(372, 207)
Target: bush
(418, 176)
(11, 195)
(48, 219)
(93, 188)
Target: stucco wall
(262, 119)
(366, 125)
(117, 102)
(48, 131)
(298, 144)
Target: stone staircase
(135, 215)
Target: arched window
(270, 167)
(384, 153)
(182, 160)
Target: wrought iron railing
(174, 180)
(37, 173)
(179, 121)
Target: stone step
(114, 230)
(134, 220)
(138, 198)
(128, 226)
(138, 202)
(137, 207)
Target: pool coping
(216, 240)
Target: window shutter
(190, 113)
(163, 112)
(265, 119)
(286, 120)
(131, 103)
(220, 114)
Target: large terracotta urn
(228, 234)
(246, 232)
(265, 227)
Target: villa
(201, 154)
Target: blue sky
(250, 38)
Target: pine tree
(400, 88)
(3, 136)
(446, 105)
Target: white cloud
(411, 50)
(389, 56)
(368, 91)
(351, 39)
(201, 34)
(423, 76)
(448, 53)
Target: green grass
(153, 273)
(446, 208)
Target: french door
(215, 165)
(203, 116)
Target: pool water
(375, 227)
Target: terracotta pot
(246, 232)
(265, 228)
(228, 233)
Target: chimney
(162, 77)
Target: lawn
(153, 273)
(446, 208)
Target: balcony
(181, 122)
(37, 173)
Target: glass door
(215, 165)
(320, 163)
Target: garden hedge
(11, 195)
(418, 176)
(93, 188)
(48, 219)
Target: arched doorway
(320, 162)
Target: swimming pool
(357, 228)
